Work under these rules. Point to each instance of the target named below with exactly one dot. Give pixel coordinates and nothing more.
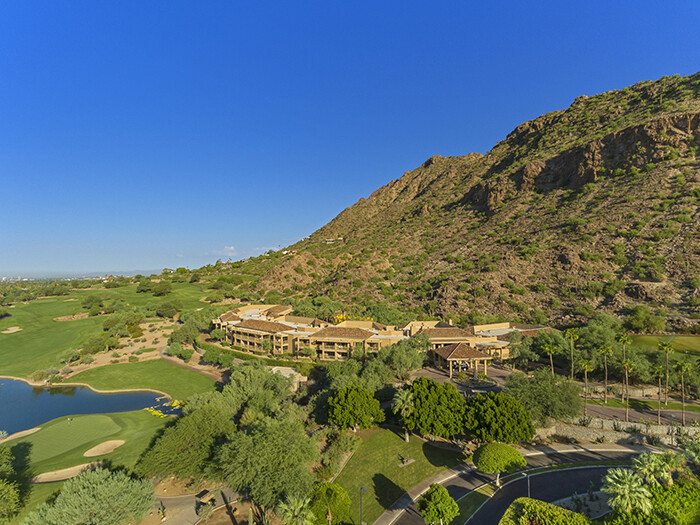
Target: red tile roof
(460, 351)
(229, 316)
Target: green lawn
(375, 466)
(43, 342)
(61, 443)
(469, 504)
(646, 405)
(681, 343)
(177, 382)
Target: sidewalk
(409, 498)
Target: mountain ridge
(592, 208)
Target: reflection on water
(23, 406)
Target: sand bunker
(11, 330)
(64, 473)
(104, 448)
(20, 434)
(71, 317)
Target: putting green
(164, 376)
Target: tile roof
(229, 316)
(343, 333)
(278, 310)
(460, 351)
(263, 326)
(445, 332)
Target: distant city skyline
(152, 135)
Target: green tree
(330, 498)
(572, 334)
(550, 350)
(295, 511)
(438, 408)
(641, 320)
(498, 417)
(649, 467)
(97, 497)
(404, 357)
(186, 447)
(606, 351)
(626, 491)
(545, 396)
(495, 458)
(683, 368)
(403, 406)
(9, 500)
(586, 366)
(270, 461)
(437, 506)
(160, 289)
(354, 407)
(672, 463)
(624, 339)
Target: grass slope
(681, 343)
(375, 465)
(61, 443)
(178, 382)
(43, 342)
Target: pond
(23, 406)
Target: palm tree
(627, 365)
(649, 467)
(671, 462)
(295, 511)
(572, 335)
(605, 351)
(667, 348)
(659, 373)
(691, 449)
(683, 367)
(403, 406)
(627, 491)
(586, 366)
(550, 350)
(624, 339)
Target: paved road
(667, 416)
(547, 486)
(536, 457)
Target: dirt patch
(173, 486)
(69, 300)
(75, 317)
(11, 330)
(236, 514)
(64, 473)
(104, 448)
(20, 434)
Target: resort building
(272, 329)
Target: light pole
(528, 483)
(362, 489)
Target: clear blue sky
(140, 135)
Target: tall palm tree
(624, 339)
(586, 366)
(572, 334)
(659, 373)
(605, 351)
(295, 511)
(550, 349)
(627, 491)
(403, 406)
(683, 368)
(667, 348)
(627, 365)
(650, 468)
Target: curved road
(546, 486)
(467, 481)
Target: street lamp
(528, 483)
(362, 489)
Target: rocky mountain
(590, 209)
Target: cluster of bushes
(338, 444)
